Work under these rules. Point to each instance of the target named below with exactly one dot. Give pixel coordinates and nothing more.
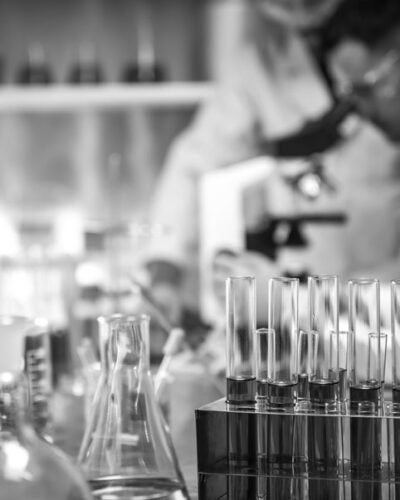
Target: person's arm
(222, 133)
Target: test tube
(323, 294)
(377, 346)
(395, 331)
(282, 385)
(307, 360)
(283, 296)
(264, 358)
(341, 353)
(364, 319)
(241, 382)
(240, 330)
(365, 388)
(323, 431)
(395, 327)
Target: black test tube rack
(238, 452)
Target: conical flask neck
(127, 346)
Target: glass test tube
(240, 329)
(395, 331)
(365, 387)
(377, 346)
(395, 327)
(323, 295)
(283, 296)
(323, 431)
(341, 351)
(265, 339)
(281, 451)
(307, 360)
(364, 319)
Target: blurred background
(94, 95)
(85, 126)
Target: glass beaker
(127, 451)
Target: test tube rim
(363, 281)
(246, 277)
(322, 277)
(284, 279)
(128, 318)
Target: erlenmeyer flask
(126, 450)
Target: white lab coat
(272, 97)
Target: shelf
(111, 96)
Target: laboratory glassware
(283, 296)
(323, 293)
(240, 331)
(365, 382)
(395, 331)
(38, 370)
(146, 68)
(395, 327)
(36, 69)
(307, 360)
(240, 380)
(280, 446)
(127, 450)
(364, 319)
(87, 69)
(340, 352)
(323, 431)
(36, 364)
(30, 468)
(264, 358)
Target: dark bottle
(36, 70)
(146, 68)
(87, 69)
(136, 72)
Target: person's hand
(371, 79)
(168, 298)
(247, 263)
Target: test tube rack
(336, 452)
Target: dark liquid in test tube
(242, 444)
(323, 439)
(302, 386)
(365, 443)
(342, 384)
(323, 390)
(396, 430)
(242, 455)
(241, 390)
(281, 438)
(262, 388)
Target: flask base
(128, 488)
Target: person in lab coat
(284, 88)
